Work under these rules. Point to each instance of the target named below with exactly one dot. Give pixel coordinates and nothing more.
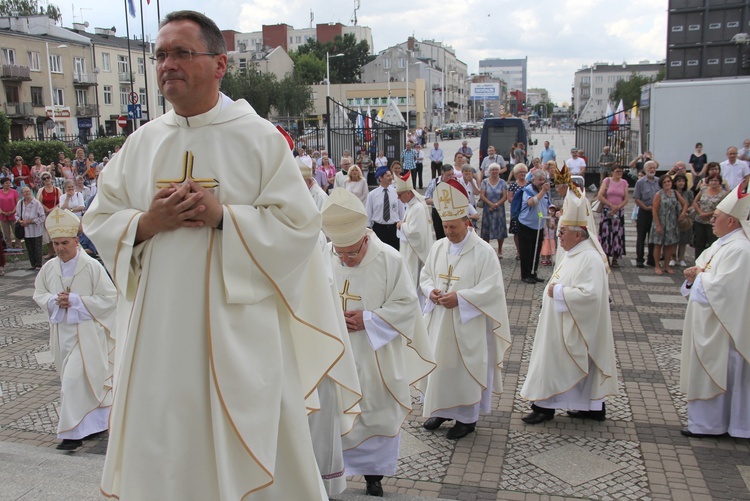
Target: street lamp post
(328, 72)
(49, 75)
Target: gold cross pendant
(448, 278)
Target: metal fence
(594, 135)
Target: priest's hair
(210, 33)
(579, 229)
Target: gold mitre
(562, 176)
(404, 183)
(451, 199)
(736, 204)
(344, 218)
(574, 211)
(305, 169)
(62, 223)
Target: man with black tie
(384, 209)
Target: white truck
(676, 114)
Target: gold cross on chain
(448, 278)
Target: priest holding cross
(466, 317)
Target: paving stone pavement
(637, 453)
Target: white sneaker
(671, 263)
(683, 263)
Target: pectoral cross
(448, 278)
(187, 173)
(345, 296)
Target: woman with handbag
(31, 216)
(686, 225)
(704, 205)
(613, 197)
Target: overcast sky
(558, 36)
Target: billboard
(482, 91)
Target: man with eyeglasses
(387, 334)
(225, 303)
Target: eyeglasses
(351, 255)
(46, 178)
(179, 55)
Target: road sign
(122, 121)
(133, 97)
(134, 111)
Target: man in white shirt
(733, 170)
(492, 158)
(436, 160)
(384, 209)
(744, 152)
(576, 165)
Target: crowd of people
(286, 319)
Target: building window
(9, 56)
(291, 39)
(609, 90)
(36, 96)
(401, 100)
(585, 93)
(585, 80)
(611, 79)
(386, 64)
(107, 94)
(105, 62)
(598, 91)
(123, 64)
(598, 79)
(55, 63)
(243, 63)
(79, 66)
(34, 61)
(350, 102)
(141, 66)
(60, 130)
(58, 97)
(299, 39)
(401, 62)
(383, 100)
(82, 98)
(160, 99)
(11, 94)
(124, 91)
(142, 96)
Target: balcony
(127, 77)
(87, 110)
(15, 72)
(18, 109)
(84, 79)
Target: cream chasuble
(222, 333)
(576, 344)
(417, 237)
(712, 328)
(83, 351)
(391, 354)
(318, 195)
(469, 353)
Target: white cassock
(572, 363)
(224, 332)
(81, 341)
(714, 372)
(417, 236)
(319, 196)
(470, 340)
(391, 353)
(339, 394)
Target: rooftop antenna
(312, 18)
(354, 15)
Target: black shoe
(460, 430)
(640, 265)
(650, 263)
(374, 488)
(538, 280)
(69, 445)
(434, 423)
(687, 433)
(535, 417)
(528, 280)
(94, 435)
(595, 415)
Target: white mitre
(344, 218)
(62, 223)
(737, 205)
(451, 200)
(305, 169)
(575, 212)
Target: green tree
(258, 89)
(29, 8)
(630, 90)
(346, 69)
(294, 97)
(4, 138)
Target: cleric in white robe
(387, 335)
(316, 192)
(572, 363)
(714, 370)
(415, 230)
(224, 325)
(80, 299)
(467, 319)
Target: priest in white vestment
(467, 319)
(224, 312)
(387, 334)
(714, 371)
(316, 192)
(415, 230)
(572, 363)
(80, 299)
